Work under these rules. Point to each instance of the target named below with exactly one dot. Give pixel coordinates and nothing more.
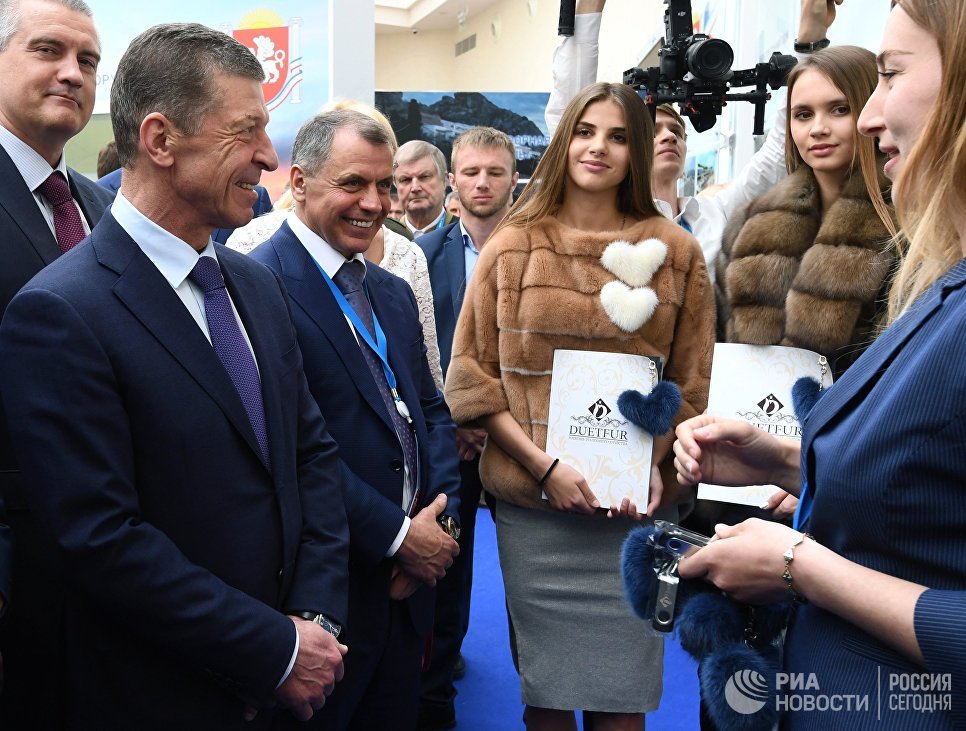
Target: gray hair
(417, 150)
(313, 143)
(169, 69)
(10, 16)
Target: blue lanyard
(804, 510)
(685, 225)
(379, 347)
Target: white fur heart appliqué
(634, 264)
(628, 308)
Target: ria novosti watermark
(748, 692)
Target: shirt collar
(173, 257)
(468, 240)
(687, 208)
(319, 249)
(33, 168)
(430, 227)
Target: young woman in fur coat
(807, 263)
(584, 261)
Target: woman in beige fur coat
(807, 264)
(584, 261)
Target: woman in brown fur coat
(586, 262)
(807, 264)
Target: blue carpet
(489, 694)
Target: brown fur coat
(786, 277)
(538, 289)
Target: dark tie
(230, 345)
(349, 281)
(67, 220)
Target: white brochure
(587, 432)
(754, 383)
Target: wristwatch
(449, 525)
(324, 622)
(811, 46)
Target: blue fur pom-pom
(805, 394)
(654, 413)
(738, 688)
(708, 621)
(637, 568)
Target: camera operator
(575, 66)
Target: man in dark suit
(365, 360)
(484, 174)
(165, 429)
(112, 182)
(419, 171)
(44, 101)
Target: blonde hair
(484, 137)
(853, 71)
(356, 106)
(932, 183)
(544, 193)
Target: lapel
(22, 208)
(92, 208)
(856, 380)
(455, 262)
(141, 288)
(308, 290)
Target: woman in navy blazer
(877, 638)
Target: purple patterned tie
(230, 345)
(67, 220)
(349, 281)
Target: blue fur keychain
(736, 645)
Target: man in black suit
(365, 360)
(484, 174)
(49, 51)
(419, 171)
(165, 430)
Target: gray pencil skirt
(578, 645)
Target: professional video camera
(696, 73)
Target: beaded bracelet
(547, 473)
(789, 556)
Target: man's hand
(469, 442)
(318, 667)
(782, 505)
(817, 17)
(427, 550)
(402, 585)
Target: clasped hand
(426, 552)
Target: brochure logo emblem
(599, 409)
(770, 405)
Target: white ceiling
(395, 16)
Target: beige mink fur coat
(785, 276)
(644, 290)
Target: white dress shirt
(34, 170)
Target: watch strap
(811, 46)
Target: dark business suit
(180, 546)
(112, 181)
(27, 573)
(445, 258)
(372, 461)
(884, 455)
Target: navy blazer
(346, 392)
(884, 454)
(182, 548)
(27, 245)
(446, 260)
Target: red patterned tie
(67, 220)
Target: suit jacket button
(396, 465)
